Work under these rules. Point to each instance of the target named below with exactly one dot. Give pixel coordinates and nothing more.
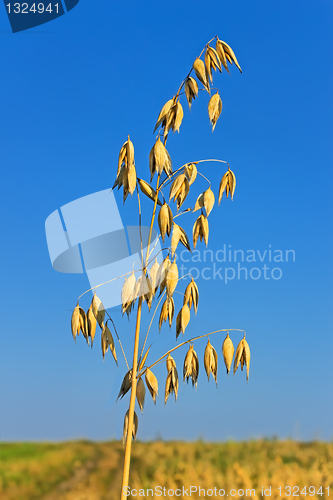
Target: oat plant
(153, 283)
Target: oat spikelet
(212, 61)
(179, 113)
(165, 220)
(191, 295)
(227, 184)
(153, 273)
(162, 117)
(140, 393)
(127, 293)
(126, 385)
(98, 310)
(200, 71)
(126, 173)
(162, 273)
(205, 200)
(179, 235)
(148, 191)
(243, 356)
(83, 324)
(170, 363)
(91, 324)
(179, 190)
(171, 279)
(210, 361)
(208, 201)
(214, 108)
(191, 171)
(172, 381)
(75, 322)
(152, 384)
(159, 159)
(109, 342)
(221, 54)
(238, 355)
(191, 90)
(200, 229)
(135, 426)
(191, 366)
(228, 352)
(229, 53)
(183, 318)
(167, 312)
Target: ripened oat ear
(228, 52)
(135, 426)
(162, 273)
(221, 54)
(152, 384)
(170, 117)
(200, 230)
(207, 200)
(242, 356)
(127, 294)
(190, 170)
(140, 393)
(126, 385)
(191, 90)
(191, 295)
(75, 322)
(83, 324)
(210, 361)
(179, 190)
(91, 324)
(98, 310)
(167, 312)
(126, 173)
(191, 366)
(228, 352)
(179, 235)
(153, 273)
(148, 191)
(172, 381)
(183, 318)
(159, 160)
(212, 61)
(146, 289)
(200, 71)
(165, 220)
(227, 184)
(109, 343)
(178, 117)
(214, 108)
(162, 117)
(171, 279)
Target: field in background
(92, 471)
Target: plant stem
(128, 447)
(127, 459)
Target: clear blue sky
(71, 91)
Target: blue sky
(71, 92)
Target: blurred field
(92, 471)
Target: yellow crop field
(92, 471)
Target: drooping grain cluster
(87, 323)
(153, 279)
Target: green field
(92, 471)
